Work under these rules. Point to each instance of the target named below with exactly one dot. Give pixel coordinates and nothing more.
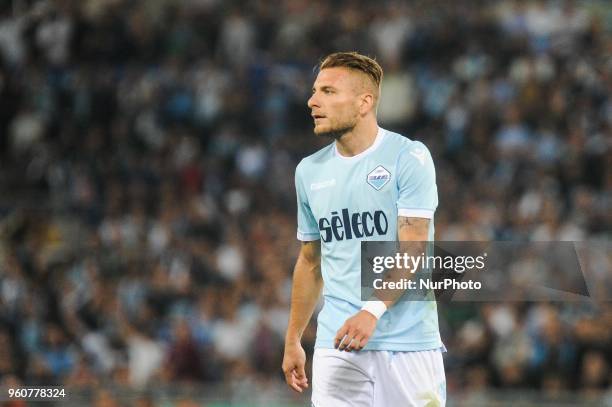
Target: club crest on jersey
(379, 177)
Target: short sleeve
(307, 228)
(418, 194)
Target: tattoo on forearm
(404, 222)
(413, 228)
(413, 222)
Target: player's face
(334, 103)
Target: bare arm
(306, 289)
(305, 293)
(411, 230)
(357, 330)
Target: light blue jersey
(344, 200)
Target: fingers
(353, 340)
(347, 340)
(296, 378)
(301, 373)
(340, 336)
(355, 344)
(301, 380)
(296, 381)
(292, 381)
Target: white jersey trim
(379, 137)
(416, 213)
(308, 237)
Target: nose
(312, 102)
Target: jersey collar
(379, 136)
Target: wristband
(376, 308)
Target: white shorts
(378, 378)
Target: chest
(366, 186)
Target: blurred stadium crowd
(147, 150)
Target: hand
(293, 366)
(356, 332)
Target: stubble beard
(338, 132)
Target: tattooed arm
(412, 234)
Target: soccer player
(368, 184)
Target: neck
(357, 140)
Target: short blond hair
(354, 61)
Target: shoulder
(319, 157)
(406, 148)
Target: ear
(366, 103)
